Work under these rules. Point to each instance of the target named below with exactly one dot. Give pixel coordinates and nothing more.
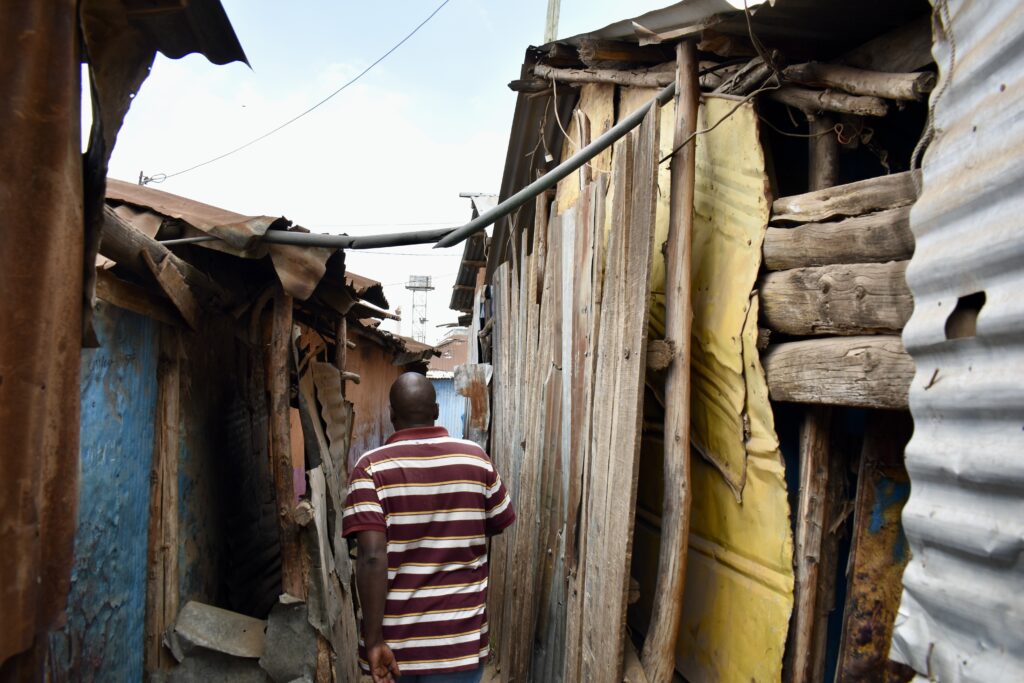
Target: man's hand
(383, 666)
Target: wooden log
(177, 290)
(660, 353)
(816, 101)
(908, 87)
(749, 77)
(810, 525)
(844, 299)
(852, 199)
(278, 420)
(638, 78)
(341, 349)
(162, 562)
(659, 649)
(869, 372)
(871, 238)
(823, 150)
(133, 298)
(906, 48)
(602, 53)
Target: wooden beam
(817, 101)
(659, 649)
(162, 555)
(906, 48)
(131, 297)
(908, 87)
(869, 372)
(823, 151)
(602, 53)
(126, 245)
(638, 78)
(810, 525)
(279, 334)
(852, 199)
(872, 238)
(845, 299)
(173, 283)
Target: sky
(389, 154)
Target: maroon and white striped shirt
(437, 499)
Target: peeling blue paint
(452, 406)
(103, 638)
(889, 492)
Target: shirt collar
(417, 433)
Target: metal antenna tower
(419, 285)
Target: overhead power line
(160, 177)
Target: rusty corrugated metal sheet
(41, 255)
(181, 28)
(367, 289)
(961, 617)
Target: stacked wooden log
(837, 260)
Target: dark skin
(413, 404)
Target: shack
(703, 396)
(230, 385)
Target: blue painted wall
(452, 406)
(103, 639)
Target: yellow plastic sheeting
(597, 104)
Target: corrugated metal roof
(962, 612)
(177, 29)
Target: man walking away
(421, 508)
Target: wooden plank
(278, 381)
(598, 52)
(905, 87)
(852, 299)
(869, 372)
(162, 561)
(617, 404)
(852, 199)
(811, 522)
(660, 645)
(176, 289)
(878, 553)
(872, 238)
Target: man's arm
(372, 582)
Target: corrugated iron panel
(102, 639)
(962, 612)
(453, 406)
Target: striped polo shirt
(437, 499)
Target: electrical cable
(165, 176)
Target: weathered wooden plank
(878, 554)
(131, 297)
(870, 372)
(176, 289)
(908, 87)
(846, 299)
(872, 238)
(640, 78)
(617, 404)
(852, 199)
(660, 645)
(810, 524)
(162, 564)
(278, 390)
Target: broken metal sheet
(221, 630)
(367, 289)
(205, 666)
(472, 381)
(291, 647)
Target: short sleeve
(499, 505)
(363, 511)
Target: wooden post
(341, 351)
(659, 648)
(823, 160)
(278, 419)
(162, 571)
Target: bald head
(413, 401)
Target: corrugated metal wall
(102, 640)
(962, 613)
(452, 405)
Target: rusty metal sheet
(878, 554)
(41, 260)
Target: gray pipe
(447, 237)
